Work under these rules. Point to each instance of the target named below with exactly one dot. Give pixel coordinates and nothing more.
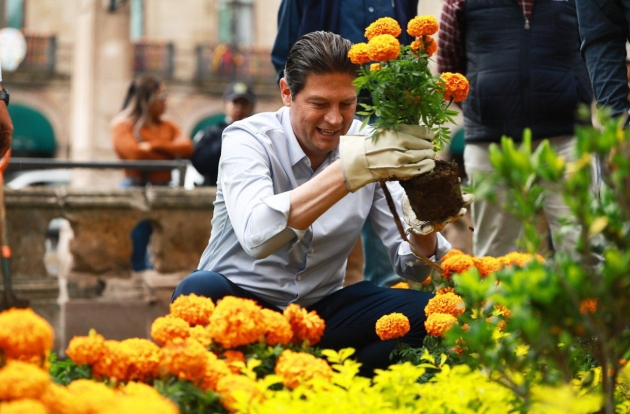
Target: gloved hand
(424, 228)
(394, 156)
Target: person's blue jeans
(377, 267)
(140, 236)
(350, 314)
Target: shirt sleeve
(405, 263)
(451, 55)
(258, 216)
(603, 30)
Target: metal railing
(227, 62)
(142, 165)
(155, 58)
(41, 54)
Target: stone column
(102, 70)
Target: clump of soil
(435, 196)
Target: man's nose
(333, 116)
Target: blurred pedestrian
(6, 125)
(238, 100)
(141, 131)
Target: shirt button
(371, 9)
(299, 277)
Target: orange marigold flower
(392, 326)
(426, 281)
(236, 322)
(456, 86)
(22, 380)
(375, 66)
(519, 259)
(215, 370)
(92, 396)
(201, 334)
(41, 361)
(452, 252)
(502, 324)
(422, 26)
(438, 323)
(144, 359)
(59, 400)
(86, 350)
(588, 305)
(235, 360)
(195, 310)
(24, 333)
(503, 310)
(358, 53)
(445, 289)
(167, 328)
(306, 326)
(234, 387)
(401, 285)
(458, 350)
(384, 25)
(456, 264)
(185, 358)
(138, 397)
(278, 328)
(114, 361)
(297, 368)
(487, 265)
(426, 44)
(383, 48)
(25, 406)
(447, 303)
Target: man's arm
(6, 127)
(603, 29)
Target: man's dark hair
(317, 53)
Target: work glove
(424, 228)
(395, 155)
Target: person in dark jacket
(523, 62)
(239, 100)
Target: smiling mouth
(329, 132)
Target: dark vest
(522, 78)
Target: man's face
(239, 108)
(321, 112)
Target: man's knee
(202, 283)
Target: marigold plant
(438, 323)
(144, 359)
(449, 303)
(278, 328)
(24, 333)
(86, 350)
(167, 328)
(236, 321)
(456, 264)
(296, 368)
(383, 48)
(384, 25)
(21, 380)
(237, 388)
(26, 406)
(114, 361)
(392, 326)
(215, 370)
(422, 26)
(185, 358)
(306, 326)
(358, 54)
(195, 310)
(201, 334)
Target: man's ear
(285, 92)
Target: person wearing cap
(239, 100)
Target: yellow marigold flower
(24, 333)
(358, 53)
(426, 44)
(447, 303)
(144, 359)
(86, 350)
(113, 363)
(456, 86)
(22, 380)
(306, 326)
(25, 406)
(91, 395)
(59, 400)
(215, 370)
(297, 368)
(588, 305)
(422, 26)
(445, 289)
(236, 321)
(487, 265)
(196, 310)
(278, 328)
(438, 323)
(401, 285)
(456, 264)
(452, 252)
(201, 334)
(166, 328)
(185, 358)
(383, 48)
(519, 259)
(384, 25)
(231, 386)
(375, 66)
(392, 326)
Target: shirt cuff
(443, 246)
(281, 203)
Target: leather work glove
(424, 228)
(394, 156)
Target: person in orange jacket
(141, 131)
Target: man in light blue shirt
(294, 190)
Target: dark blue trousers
(350, 314)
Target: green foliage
(63, 372)
(189, 398)
(404, 91)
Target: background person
(143, 132)
(285, 218)
(238, 100)
(6, 125)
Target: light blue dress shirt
(251, 243)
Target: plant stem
(392, 208)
